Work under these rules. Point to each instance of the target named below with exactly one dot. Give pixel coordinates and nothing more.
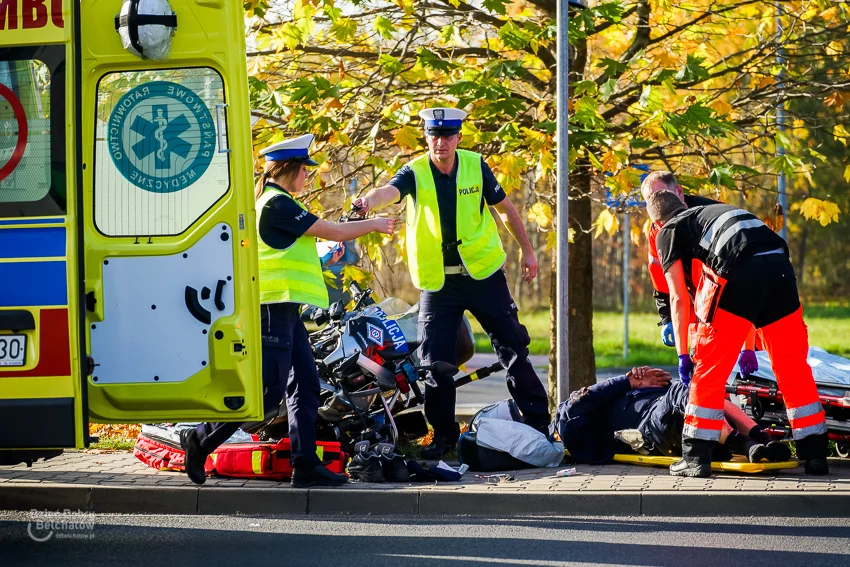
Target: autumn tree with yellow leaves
(689, 86)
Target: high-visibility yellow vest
(480, 247)
(291, 275)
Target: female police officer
(290, 275)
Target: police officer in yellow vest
(455, 257)
(290, 276)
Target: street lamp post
(780, 124)
(563, 192)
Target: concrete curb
(426, 502)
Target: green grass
(114, 444)
(829, 328)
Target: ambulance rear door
(172, 316)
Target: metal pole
(780, 124)
(626, 285)
(563, 172)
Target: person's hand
(748, 363)
(362, 206)
(646, 377)
(528, 265)
(335, 257)
(384, 225)
(686, 368)
(667, 336)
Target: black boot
(195, 457)
(316, 476)
(445, 441)
(775, 451)
(696, 459)
(813, 449)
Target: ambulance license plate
(13, 350)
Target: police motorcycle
(370, 374)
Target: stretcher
(761, 398)
(739, 465)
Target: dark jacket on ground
(587, 421)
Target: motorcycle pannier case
(267, 460)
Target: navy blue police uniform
(288, 366)
(490, 302)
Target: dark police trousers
(489, 301)
(287, 369)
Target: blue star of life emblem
(161, 137)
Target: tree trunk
(582, 357)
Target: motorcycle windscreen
(171, 269)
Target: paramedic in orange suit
(747, 281)
(665, 181)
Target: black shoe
(812, 449)
(445, 441)
(817, 467)
(365, 466)
(195, 457)
(394, 467)
(777, 452)
(438, 449)
(757, 452)
(317, 476)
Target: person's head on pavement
(661, 181)
(663, 206)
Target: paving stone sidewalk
(117, 482)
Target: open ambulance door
(42, 402)
(168, 222)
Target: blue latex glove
(667, 336)
(748, 363)
(686, 368)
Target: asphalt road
(128, 541)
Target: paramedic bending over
(290, 276)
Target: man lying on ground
(645, 399)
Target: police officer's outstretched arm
(377, 198)
(512, 220)
(350, 230)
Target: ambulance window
(160, 160)
(32, 162)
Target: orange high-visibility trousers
(715, 355)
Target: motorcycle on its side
(370, 374)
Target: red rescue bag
(268, 460)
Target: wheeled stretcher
(761, 398)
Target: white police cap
(295, 148)
(445, 121)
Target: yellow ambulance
(128, 271)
